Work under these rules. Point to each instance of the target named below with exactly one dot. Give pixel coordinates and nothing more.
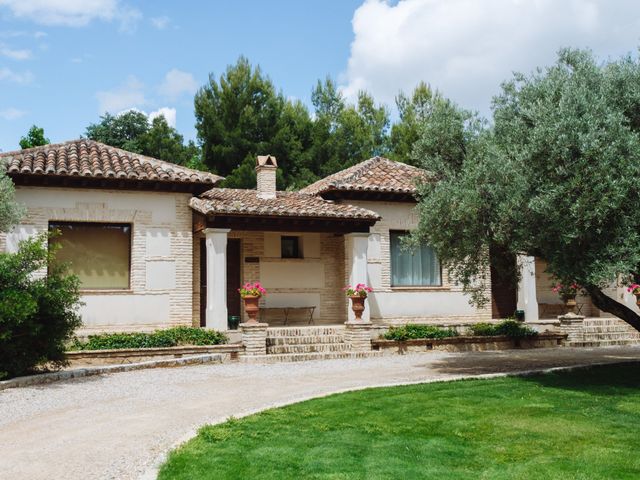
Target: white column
(358, 244)
(527, 298)
(216, 241)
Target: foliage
(169, 337)
(634, 288)
(252, 290)
(360, 290)
(38, 313)
(415, 331)
(557, 178)
(34, 138)
(543, 427)
(133, 132)
(10, 211)
(510, 328)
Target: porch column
(357, 245)
(527, 298)
(216, 242)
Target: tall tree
(412, 112)
(133, 132)
(10, 211)
(34, 138)
(556, 179)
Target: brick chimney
(266, 167)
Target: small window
(99, 254)
(290, 247)
(413, 268)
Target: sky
(63, 63)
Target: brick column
(254, 338)
(571, 324)
(357, 336)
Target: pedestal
(254, 338)
(571, 324)
(358, 336)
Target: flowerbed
(170, 337)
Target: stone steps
(301, 357)
(594, 337)
(319, 347)
(604, 332)
(602, 343)
(304, 331)
(304, 340)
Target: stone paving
(121, 425)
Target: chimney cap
(266, 161)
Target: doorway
(234, 278)
(504, 287)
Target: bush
(413, 331)
(38, 314)
(169, 337)
(510, 328)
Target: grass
(578, 425)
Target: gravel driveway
(119, 426)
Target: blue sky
(64, 62)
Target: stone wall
(160, 293)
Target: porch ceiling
(283, 224)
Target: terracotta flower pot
(570, 303)
(252, 308)
(357, 305)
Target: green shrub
(169, 337)
(413, 331)
(510, 328)
(38, 314)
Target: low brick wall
(468, 344)
(135, 355)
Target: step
(304, 340)
(304, 331)
(603, 343)
(616, 329)
(587, 337)
(319, 347)
(597, 322)
(303, 357)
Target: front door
(504, 287)
(233, 279)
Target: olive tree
(557, 176)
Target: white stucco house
(157, 245)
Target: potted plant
(635, 289)
(358, 294)
(251, 293)
(567, 292)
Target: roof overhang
(371, 195)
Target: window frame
(298, 252)
(52, 226)
(433, 286)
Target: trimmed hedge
(170, 337)
(413, 331)
(510, 328)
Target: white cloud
(8, 52)
(73, 13)
(168, 113)
(11, 113)
(176, 83)
(465, 48)
(124, 97)
(15, 77)
(160, 22)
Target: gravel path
(119, 426)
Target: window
(98, 253)
(290, 247)
(413, 268)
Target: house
(157, 245)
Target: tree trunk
(608, 304)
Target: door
(234, 279)
(504, 287)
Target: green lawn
(580, 425)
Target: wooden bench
(287, 310)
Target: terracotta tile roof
(91, 159)
(377, 174)
(228, 201)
